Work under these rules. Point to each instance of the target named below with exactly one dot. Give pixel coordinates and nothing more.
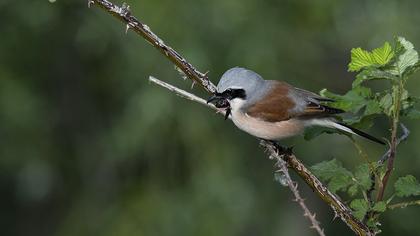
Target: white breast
(264, 129)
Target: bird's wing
(283, 102)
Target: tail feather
(352, 130)
(340, 126)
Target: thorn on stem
(90, 3)
(125, 10)
(127, 27)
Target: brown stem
(390, 165)
(340, 208)
(394, 140)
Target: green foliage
(360, 101)
(407, 186)
(393, 65)
(333, 171)
(379, 207)
(341, 179)
(378, 57)
(408, 58)
(360, 208)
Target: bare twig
(123, 13)
(184, 94)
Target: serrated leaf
(372, 74)
(378, 57)
(360, 207)
(412, 69)
(352, 101)
(352, 191)
(407, 58)
(314, 131)
(359, 101)
(362, 176)
(383, 54)
(338, 177)
(386, 104)
(360, 59)
(407, 186)
(361, 180)
(379, 206)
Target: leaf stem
(403, 204)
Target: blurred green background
(90, 147)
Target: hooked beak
(220, 101)
(214, 98)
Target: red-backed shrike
(273, 110)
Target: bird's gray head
(240, 79)
(238, 84)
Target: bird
(274, 110)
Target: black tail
(363, 134)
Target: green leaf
(361, 180)
(360, 207)
(378, 57)
(410, 56)
(386, 104)
(352, 101)
(407, 186)
(379, 206)
(383, 54)
(372, 74)
(314, 131)
(333, 171)
(352, 191)
(360, 101)
(408, 106)
(412, 69)
(360, 59)
(407, 58)
(362, 176)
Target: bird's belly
(267, 130)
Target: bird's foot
(281, 150)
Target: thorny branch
(123, 13)
(282, 168)
(340, 209)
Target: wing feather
(283, 102)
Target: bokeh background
(89, 147)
